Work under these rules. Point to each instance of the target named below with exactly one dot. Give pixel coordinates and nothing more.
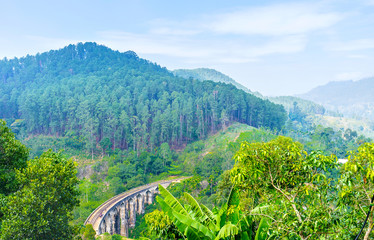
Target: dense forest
(288, 102)
(108, 100)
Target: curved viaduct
(118, 214)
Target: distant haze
(351, 98)
(274, 47)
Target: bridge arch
(118, 214)
(148, 197)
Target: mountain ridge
(208, 74)
(351, 98)
(115, 100)
(204, 74)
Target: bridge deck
(96, 216)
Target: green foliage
(351, 98)
(141, 228)
(116, 237)
(297, 107)
(325, 139)
(120, 172)
(105, 236)
(71, 144)
(114, 100)
(41, 209)
(13, 155)
(196, 221)
(295, 183)
(255, 135)
(160, 226)
(356, 185)
(89, 233)
(205, 74)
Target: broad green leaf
(172, 201)
(228, 230)
(263, 227)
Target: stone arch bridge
(118, 214)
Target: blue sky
(274, 47)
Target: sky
(273, 47)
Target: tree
(161, 226)
(165, 153)
(118, 96)
(89, 233)
(295, 184)
(41, 209)
(356, 185)
(13, 155)
(116, 237)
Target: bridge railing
(125, 194)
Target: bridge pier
(140, 199)
(118, 214)
(108, 224)
(132, 213)
(124, 221)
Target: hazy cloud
(358, 56)
(154, 44)
(275, 20)
(351, 76)
(358, 44)
(32, 44)
(197, 50)
(195, 40)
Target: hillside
(305, 106)
(362, 127)
(102, 100)
(351, 98)
(204, 74)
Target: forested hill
(352, 98)
(113, 100)
(208, 74)
(288, 102)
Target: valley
(126, 122)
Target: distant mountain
(306, 106)
(351, 98)
(100, 99)
(204, 74)
(288, 102)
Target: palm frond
(228, 230)
(262, 230)
(172, 201)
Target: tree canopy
(13, 155)
(118, 100)
(294, 185)
(41, 209)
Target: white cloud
(238, 36)
(154, 44)
(357, 56)
(351, 76)
(289, 44)
(171, 31)
(275, 20)
(32, 44)
(285, 27)
(244, 35)
(359, 44)
(201, 50)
